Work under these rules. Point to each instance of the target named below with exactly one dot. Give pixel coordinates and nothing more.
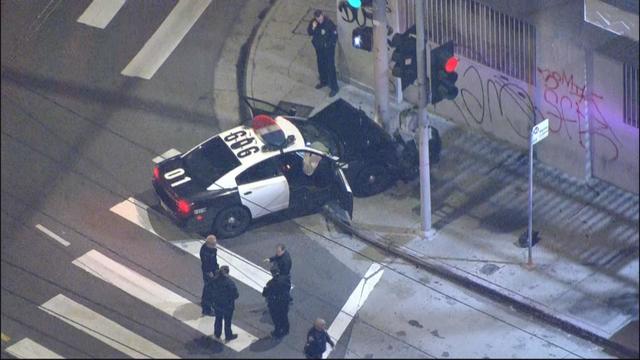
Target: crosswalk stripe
(162, 43)
(242, 269)
(354, 303)
(29, 349)
(103, 329)
(155, 295)
(167, 154)
(100, 12)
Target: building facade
(524, 61)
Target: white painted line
(162, 43)
(29, 349)
(100, 12)
(167, 154)
(52, 235)
(156, 295)
(242, 269)
(353, 304)
(136, 212)
(103, 329)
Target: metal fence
(630, 89)
(480, 33)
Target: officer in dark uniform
(325, 36)
(209, 258)
(277, 294)
(224, 296)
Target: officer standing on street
(317, 339)
(277, 294)
(224, 298)
(325, 37)
(282, 259)
(209, 259)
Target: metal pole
(529, 261)
(381, 63)
(425, 179)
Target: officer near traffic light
(324, 38)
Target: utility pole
(381, 63)
(424, 66)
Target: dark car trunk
(356, 130)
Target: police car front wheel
(232, 221)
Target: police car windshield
(210, 161)
(317, 137)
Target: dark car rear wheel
(231, 222)
(372, 179)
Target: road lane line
(100, 12)
(242, 269)
(167, 154)
(29, 349)
(156, 295)
(5, 338)
(103, 329)
(52, 235)
(353, 304)
(162, 43)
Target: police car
(372, 159)
(245, 173)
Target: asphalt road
(78, 138)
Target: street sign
(540, 131)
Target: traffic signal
(443, 73)
(404, 57)
(362, 38)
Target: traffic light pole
(381, 63)
(424, 66)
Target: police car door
(263, 188)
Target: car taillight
(156, 173)
(184, 208)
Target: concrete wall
(504, 107)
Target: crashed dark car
(372, 159)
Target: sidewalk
(586, 265)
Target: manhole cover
(489, 269)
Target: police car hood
(352, 127)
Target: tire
(372, 179)
(232, 222)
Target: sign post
(538, 133)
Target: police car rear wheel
(372, 179)
(232, 221)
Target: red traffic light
(451, 64)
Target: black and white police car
(245, 173)
(372, 159)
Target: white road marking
(167, 154)
(156, 295)
(162, 43)
(242, 269)
(52, 235)
(29, 349)
(353, 304)
(100, 12)
(103, 329)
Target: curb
(246, 59)
(491, 292)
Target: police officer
(209, 259)
(282, 259)
(325, 36)
(224, 296)
(277, 294)
(317, 339)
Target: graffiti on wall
(565, 101)
(493, 99)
